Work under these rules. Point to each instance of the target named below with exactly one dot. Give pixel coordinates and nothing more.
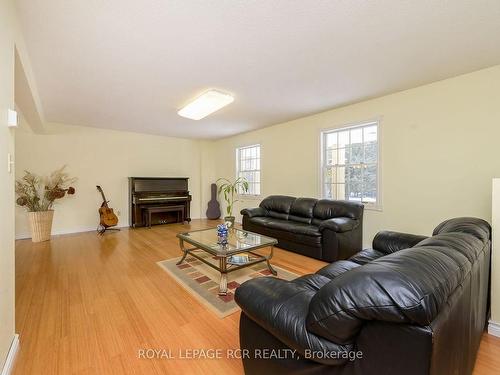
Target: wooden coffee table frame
(223, 267)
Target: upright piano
(157, 191)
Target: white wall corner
(11, 356)
(494, 328)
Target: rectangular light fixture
(11, 118)
(205, 104)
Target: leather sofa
(410, 305)
(324, 229)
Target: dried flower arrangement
(39, 193)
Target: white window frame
(238, 151)
(377, 121)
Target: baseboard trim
(11, 356)
(494, 328)
(25, 236)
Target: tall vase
(40, 225)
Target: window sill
(373, 208)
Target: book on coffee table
(238, 259)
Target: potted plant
(230, 189)
(38, 195)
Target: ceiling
(130, 65)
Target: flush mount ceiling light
(205, 104)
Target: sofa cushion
(277, 206)
(280, 307)
(294, 227)
(287, 230)
(339, 224)
(389, 242)
(302, 210)
(366, 256)
(477, 227)
(253, 212)
(337, 268)
(312, 282)
(261, 220)
(329, 208)
(459, 241)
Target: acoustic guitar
(106, 214)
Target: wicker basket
(40, 225)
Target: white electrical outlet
(10, 162)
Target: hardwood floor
(87, 305)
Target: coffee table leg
(183, 249)
(273, 271)
(223, 276)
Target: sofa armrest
(389, 242)
(253, 212)
(339, 224)
(281, 308)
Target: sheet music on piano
(157, 192)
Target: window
(248, 166)
(350, 167)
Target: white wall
(439, 151)
(7, 37)
(106, 158)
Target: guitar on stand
(108, 219)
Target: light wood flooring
(87, 304)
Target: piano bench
(149, 211)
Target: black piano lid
(158, 184)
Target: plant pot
(230, 219)
(40, 225)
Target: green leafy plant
(230, 190)
(37, 193)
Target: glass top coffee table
(240, 242)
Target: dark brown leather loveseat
(410, 305)
(324, 229)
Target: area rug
(202, 281)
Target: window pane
(370, 133)
(341, 178)
(331, 157)
(329, 191)
(248, 176)
(256, 177)
(331, 140)
(356, 154)
(356, 136)
(344, 138)
(354, 183)
(342, 156)
(371, 152)
(329, 176)
(341, 191)
(370, 183)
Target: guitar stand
(101, 229)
